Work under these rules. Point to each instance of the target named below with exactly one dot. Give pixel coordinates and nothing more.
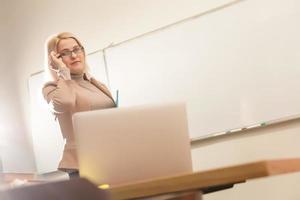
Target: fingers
(54, 55)
(57, 63)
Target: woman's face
(72, 55)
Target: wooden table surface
(204, 179)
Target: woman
(72, 90)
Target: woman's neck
(77, 77)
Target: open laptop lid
(129, 144)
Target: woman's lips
(75, 62)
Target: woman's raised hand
(56, 63)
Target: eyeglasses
(68, 53)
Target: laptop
(130, 144)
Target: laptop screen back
(123, 145)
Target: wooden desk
(198, 181)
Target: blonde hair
(51, 45)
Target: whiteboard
(235, 67)
(97, 67)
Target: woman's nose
(73, 54)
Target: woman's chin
(77, 70)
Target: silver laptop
(129, 144)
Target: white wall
(15, 143)
(3, 62)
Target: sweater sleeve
(60, 94)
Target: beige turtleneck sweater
(80, 93)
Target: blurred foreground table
(192, 184)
